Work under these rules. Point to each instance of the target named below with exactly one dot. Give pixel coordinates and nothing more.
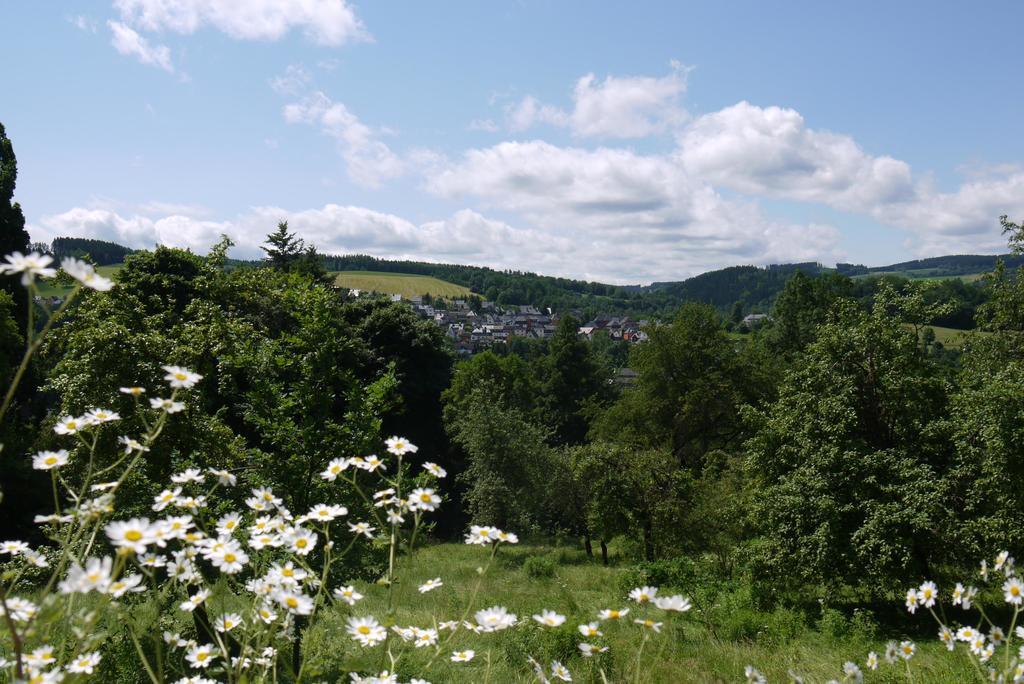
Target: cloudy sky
(625, 142)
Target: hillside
(753, 287)
(951, 266)
(403, 284)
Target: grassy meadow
(404, 284)
(49, 288)
(527, 579)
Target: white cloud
(83, 23)
(965, 220)
(628, 216)
(530, 112)
(292, 82)
(369, 161)
(328, 22)
(128, 42)
(485, 125)
(769, 151)
(465, 237)
(628, 107)
(617, 107)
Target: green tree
(573, 384)
(987, 421)
(800, 308)
(13, 236)
(508, 378)
(287, 252)
(286, 384)
(691, 383)
(641, 493)
(850, 456)
(508, 461)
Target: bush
(540, 567)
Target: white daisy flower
(430, 585)
(434, 469)
(423, 500)
(643, 594)
(134, 534)
(48, 460)
(335, 468)
(549, 618)
(348, 594)
(30, 266)
(366, 630)
(86, 274)
(201, 656)
(181, 378)
(399, 446)
(227, 622)
(166, 405)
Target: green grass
(954, 338)
(685, 651)
(48, 288)
(405, 284)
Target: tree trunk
(648, 540)
(604, 552)
(588, 546)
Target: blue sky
(625, 142)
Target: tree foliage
(848, 458)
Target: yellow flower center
(133, 535)
(425, 498)
(301, 543)
(363, 629)
(291, 602)
(230, 557)
(202, 655)
(180, 376)
(50, 460)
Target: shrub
(540, 567)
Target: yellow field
(403, 284)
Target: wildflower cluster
(989, 647)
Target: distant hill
(754, 287)
(100, 251)
(951, 266)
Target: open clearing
(685, 650)
(404, 284)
